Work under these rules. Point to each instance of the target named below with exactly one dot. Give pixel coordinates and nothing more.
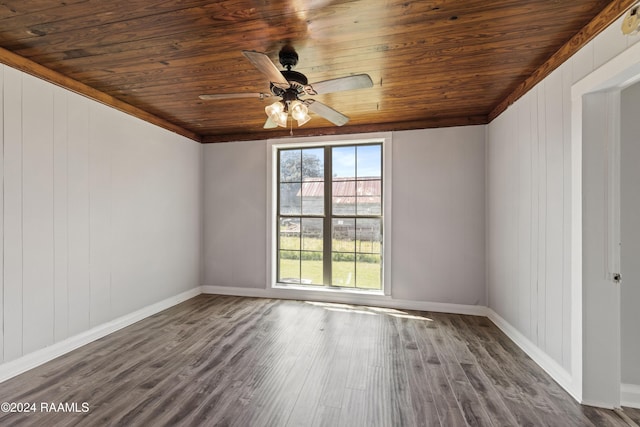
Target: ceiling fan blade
(234, 95)
(335, 117)
(262, 62)
(270, 124)
(359, 81)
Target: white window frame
(273, 145)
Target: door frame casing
(595, 368)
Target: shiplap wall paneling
(136, 267)
(1, 214)
(554, 215)
(12, 99)
(60, 214)
(510, 224)
(525, 216)
(542, 217)
(567, 75)
(547, 131)
(100, 134)
(527, 232)
(78, 214)
(141, 222)
(531, 127)
(37, 214)
(57, 223)
(128, 228)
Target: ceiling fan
(291, 86)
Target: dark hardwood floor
(231, 361)
(632, 413)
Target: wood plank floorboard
(633, 413)
(233, 361)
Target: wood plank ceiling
(433, 63)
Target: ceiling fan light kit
(300, 112)
(276, 112)
(291, 86)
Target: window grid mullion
(327, 238)
(279, 261)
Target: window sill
(328, 289)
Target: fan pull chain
(291, 132)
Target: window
(329, 216)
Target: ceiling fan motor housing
(288, 57)
(297, 81)
(295, 77)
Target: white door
(630, 247)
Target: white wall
(437, 222)
(630, 235)
(529, 203)
(235, 208)
(439, 216)
(101, 214)
(529, 216)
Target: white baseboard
(630, 395)
(344, 297)
(553, 368)
(597, 404)
(15, 367)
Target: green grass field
(364, 275)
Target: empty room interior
(320, 213)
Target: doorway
(597, 307)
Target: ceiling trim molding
(606, 17)
(26, 65)
(432, 122)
